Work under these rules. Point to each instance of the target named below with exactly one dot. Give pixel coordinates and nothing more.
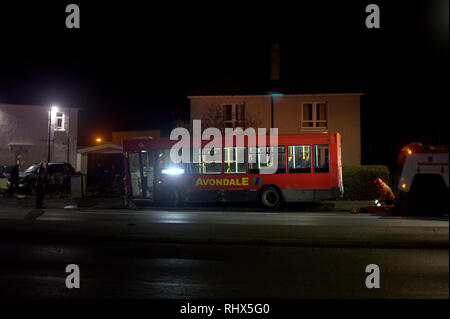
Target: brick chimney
(275, 62)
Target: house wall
(343, 115)
(257, 107)
(24, 134)
(118, 136)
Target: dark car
(5, 170)
(59, 175)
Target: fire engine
(424, 180)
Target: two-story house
(32, 133)
(285, 105)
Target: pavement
(65, 201)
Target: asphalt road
(218, 216)
(170, 253)
(232, 226)
(142, 270)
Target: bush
(359, 181)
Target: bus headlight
(173, 171)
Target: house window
(234, 115)
(314, 116)
(59, 121)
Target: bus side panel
(336, 163)
(305, 195)
(220, 195)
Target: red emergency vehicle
(309, 168)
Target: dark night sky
(131, 65)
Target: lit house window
(234, 115)
(314, 116)
(59, 121)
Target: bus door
(148, 172)
(142, 166)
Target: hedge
(359, 181)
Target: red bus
(309, 169)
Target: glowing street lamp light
(98, 139)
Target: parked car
(58, 177)
(5, 170)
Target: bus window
(205, 166)
(212, 166)
(163, 159)
(260, 157)
(321, 159)
(234, 160)
(196, 161)
(299, 159)
(165, 163)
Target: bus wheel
(270, 197)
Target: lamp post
(49, 134)
(53, 109)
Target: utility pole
(68, 138)
(49, 135)
(271, 100)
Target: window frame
(245, 159)
(234, 115)
(314, 117)
(62, 117)
(257, 162)
(315, 157)
(310, 160)
(193, 166)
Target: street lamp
(98, 139)
(53, 109)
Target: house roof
(230, 86)
(103, 148)
(37, 106)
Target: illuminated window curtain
(227, 113)
(307, 115)
(321, 114)
(240, 114)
